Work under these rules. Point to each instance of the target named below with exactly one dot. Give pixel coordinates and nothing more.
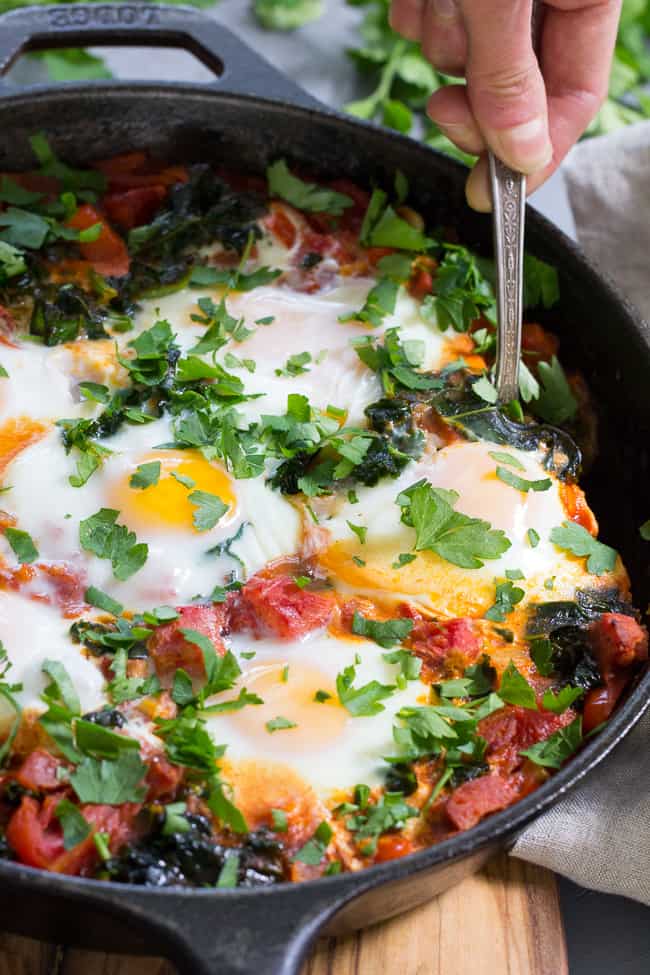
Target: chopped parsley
(507, 597)
(520, 483)
(302, 195)
(101, 535)
(110, 782)
(279, 724)
(361, 701)
(515, 689)
(22, 545)
(404, 558)
(295, 365)
(146, 475)
(575, 539)
(455, 537)
(101, 600)
(380, 302)
(314, 849)
(386, 633)
(555, 750)
(359, 530)
(209, 509)
(75, 826)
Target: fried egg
(45, 638)
(439, 586)
(302, 323)
(325, 745)
(182, 561)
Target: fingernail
(445, 9)
(526, 147)
(477, 188)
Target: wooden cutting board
(504, 921)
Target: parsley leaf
(101, 535)
(62, 689)
(304, 196)
(520, 483)
(210, 508)
(455, 537)
(22, 544)
(644, 531)
(380, 302)
(74, 824)
(556, 403)
(502, 458)
(314, 849)
(146, 475)
(110, 782)
(558, 703)
(555, 750)
(361, 701)
(101, 600)
(507, 597)
(279, 724)
(386, 633)
(410, 665)
(575, 539)
(515, 689)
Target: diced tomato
(392, 846)
(537, 344)
(68, 585)
(601, 701)
(125, 162)
(512, 729)
(420, 284)
(285, 609)
(473, 800)
(437, 643)
(163, 778)
(170, 650)
(281, 226)
(133, 208)
(575, 504)
(133, 170)
(618, 642)
(421, 280)
(108, 254)
(35, 835)
(39, 772)
(31, 834)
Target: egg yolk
(167, 503)
(289, 691)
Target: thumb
(504, 83)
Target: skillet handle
(255, 932)
(239, 70)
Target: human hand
(528, 112)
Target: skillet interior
(599, 332)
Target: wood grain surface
(504, 921)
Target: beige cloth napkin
(599, 836)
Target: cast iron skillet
(251, 115)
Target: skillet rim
(497, 827)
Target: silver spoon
(508, 217)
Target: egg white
(32, 632)
(439, 586)
(344, 750)
(178, 566)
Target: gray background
(605, 935)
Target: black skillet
(249, 116)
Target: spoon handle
(508, 218)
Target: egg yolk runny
(167, 503)
(289, 691)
